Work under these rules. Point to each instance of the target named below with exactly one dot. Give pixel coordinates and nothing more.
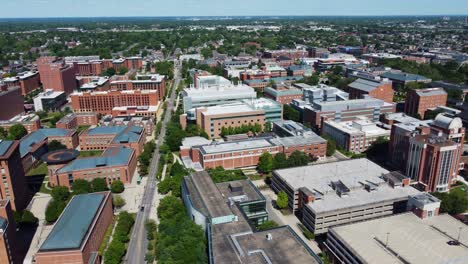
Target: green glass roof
(74, 223)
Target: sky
(117, 8)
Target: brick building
(420, 100)
(12, 103)
(79, 232)
(96, 67)
(27, 81)
(100, 138)
(74, 120)
(57, 75)
(13, 186)
(142, 82)
(290, 53)
(105, 102)
(8, 242)
(282, 94)
(376, 88)
(93, 83)
(31, 122)
(145, 122)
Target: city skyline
(140, 8)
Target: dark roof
(39, 135)
(60, 156)
(5, 146)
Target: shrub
(99, 185)
(53, 210)
(282, 200)
(118, 201)
(117, 187)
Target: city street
(138, 242)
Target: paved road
(138, 242)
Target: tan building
(420, 100)
(79, 232)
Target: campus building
(93, 83)
(13, 186)
(56, 75)
(418, 101)
(321, 93)
(260, 84)
(142, 82)
(198, 153)
(400, 79)
(49, 100)
(115, 163)
(100, 138)
(145, 122)
(27, 81)
(354, 136)
(282, 94)
(229, 212)
(74, 120)
(105, 102)
(375, 87)
(31, 122)
(343, 192)
(403, 238)
(92, 65)
(79, 232)
(12, 103)
(290, 53)
(289, 128)
(247, 112)
(8, 238)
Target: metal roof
(364, 85)
(39, 135)
(74, 223)
(5, 146)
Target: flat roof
(5, 146)
(413, 239)
(74, 223)
(402, 76)
(365, 126)
(365, 85)
(236, 146)
(189, 142)
(37, 136)
(233, 108)
(310, 138)
(430, 92)
(247, 190)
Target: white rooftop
(366, 126)
(236, 145)
(229, 109)
(189, 142)
(417, 241)
(49, 94)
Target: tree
(17, 131)
(28, 218)
(99, 185)
(53, 210)
(118, 201)
(265, 164)
(170, 206)
(282, 200)
(80, 186)
(109, 72)
(268, 126)
(331, 147)
(117, 187)
(2, 133)
(56, 145)
(123, 71)
(455, 202)
(298, 158)
(280, 161)
(289, 113)
(60, 193)
(267, 225)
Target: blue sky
(109, 8)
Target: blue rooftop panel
(3, 223)
(105, 130)
(30, 140)
(5, 146)
(74, 223)
(115, 156)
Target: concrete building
(213, 119)
(199, 153)
(214, 95)
(13, 186)
(288, 128)
(347, 110)
(343, 192)
(142, 82)
(8, 238)
(354, 136)
(105, 102)
(100, 138)
(30, 121)
(49, 100)
(56, 75)
(79, 232)
(321, 93)
(74, 120)
(403, 238)
(376, 87)
(228, 212)
(12, 103)
(388, 120)
(260, 84)
(116, 163)
(34, 145)
(420, 100)
(282, 94)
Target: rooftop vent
(340, 188)
(235, 187)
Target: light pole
(386, 241)
(459, 232)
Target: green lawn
(90, 153)
(39, 170)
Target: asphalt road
(138, 242)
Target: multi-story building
(74, 120)
(354, 136)
(300, 70)
(8, 238)
(248, 112)
(343, 192)
(315, 52)
(260, 84)
(145, 122)
(49, 100)
(115, 163)
(282, 94)
(57, 75)
(31, 122)
(290, 53)
(34, 145)
(346, 110)
(12, 103)
(227, 212)
(402, 78)
(105, 102)
(13, 186)
(403, 238)
(289, 128)
(100, 138)
(376, 87)
(83, 223)
(142, 82)
(27, 81)
(388, 120)
(434, 156)
(93, 83)
(200, 153)
(418, 101)
(214, 95)
(92, 65)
